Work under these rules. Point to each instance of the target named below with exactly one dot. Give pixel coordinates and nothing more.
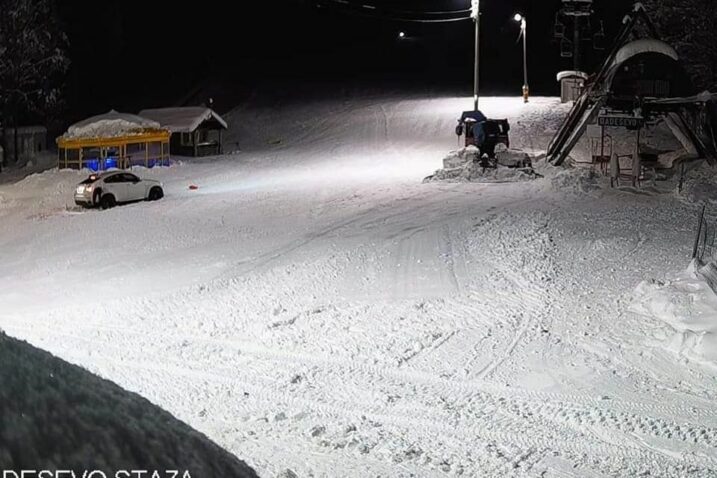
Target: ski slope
(317, 310)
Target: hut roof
(110, 125)
(184, 119)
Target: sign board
(629, 122)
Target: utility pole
(576, 44)
(475, 14)
(524, 30)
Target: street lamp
(475, 15)
(402, 35)
(524, 31)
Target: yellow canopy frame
(147, 149)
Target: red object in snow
(193, 187)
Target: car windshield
(91, 179)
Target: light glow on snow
(314, 307)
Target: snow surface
(688, 304)
(318, 311)
(109, 125)
(57, 416)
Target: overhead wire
(402, 16)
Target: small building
(571, 85)
(31, 141)
(114, 140)
(646, 68)
(196, 130)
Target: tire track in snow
(566, 412)
(345, 367)
(424, 418)
(512, 429)
(525, 259)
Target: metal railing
(706, 238)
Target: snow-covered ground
(314, 307)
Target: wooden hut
(196, 130)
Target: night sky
(130, 54)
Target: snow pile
(464, 165)
(700, 183)
(513, 158)
(688, 305)
(569, 179)
(110, 125)
(57, 414)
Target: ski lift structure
(641, 84)
(573, 28)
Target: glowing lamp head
(475, 9)
(518, 17)
(401, 35)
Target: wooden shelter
(196, 130)
(30, 141)
(114, 140)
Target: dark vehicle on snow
(483, 133)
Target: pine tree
(32, 60)
(690, 26)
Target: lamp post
(475, 15)
(524, 32)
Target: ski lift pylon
(566, 48)
(559, 28)
(599, 38)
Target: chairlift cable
(397, 15)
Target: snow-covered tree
(32, 59)
(690, 26)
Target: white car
(109, 189)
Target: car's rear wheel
(155, 194)
(108, 201)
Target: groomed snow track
(313, 307)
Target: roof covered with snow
(645, 45)
(572, 74)
(183, 119)
(110, 125)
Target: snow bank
(700, 183)
(110, 125)
(58, 415)
(688, 305)
(464, 166)
(567, 179)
